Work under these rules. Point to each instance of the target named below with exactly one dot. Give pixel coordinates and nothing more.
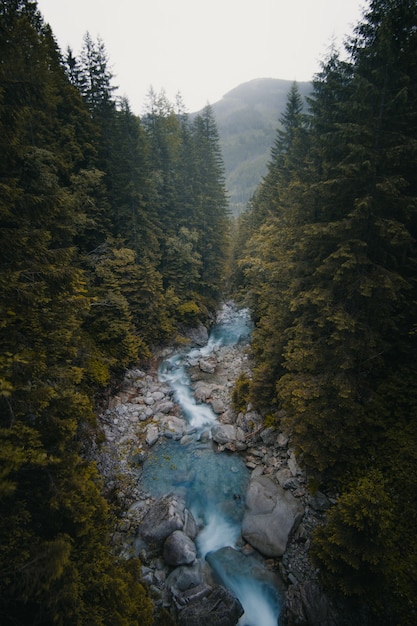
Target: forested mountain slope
(247, 118)
(113, 234)
(327, 259)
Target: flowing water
(214, 484)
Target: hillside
(247, 118)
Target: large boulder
(179, 549)
(229, 436)
(162, 519)
(271, 516)
(218, 608)
(307, 605)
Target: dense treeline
(327, 256)
(114, 233)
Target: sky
(203, 48)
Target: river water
(214, 484)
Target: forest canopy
(326, 259)
(114, 234)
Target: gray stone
(282, 440)
(293, 465)
(162, 519)
(197, 335)
(173, 427)
(268, 436)
(152, 434)
(319, 502)
(223, 433)
(218, 406)
(179, 549)
(218, 608)
(271, 516)
(208, 367)
(306, 605)
(165, 407)
(185, 577)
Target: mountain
(247, 118)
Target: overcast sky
(203, 48)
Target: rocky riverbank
(144, 413)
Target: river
(214, 484)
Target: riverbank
(144, 414)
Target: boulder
(217, 405)
(219, 607)
(206, 366)
(197, 335)
(203, 391)
(173, 427)
(179, 549)
(307, 605)
(165, 407)
(185, 577)
(162, 519)
(223, 433)
(152, 434)
(271, 516)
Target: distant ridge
(247, 119)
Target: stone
(179, 549)
(218, 406)
(282, 440)
(271, 516)
(185, 584)
(319, 502)
(197, 335)
(173, 427)
(306, 604)
(208, 367)
(293, 465)
(162, 519)
(202, 391)
(165, 407)
(152, 434)
(227, 433)
(219, 607)
(268, 436)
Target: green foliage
(90, 202)
(327, 257)
(240, 393)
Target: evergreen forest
(116, 236)
(327, 261)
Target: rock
(190, 525)
(282, 440)
(319, 502)
(173, 427)
(271, 516)
(197, 335)
(179, 549)
(293, 465)
(162, 519)
(223, 433)
(306, 605)
(268, 436)
(202, 391)
(165, 407)
(152, 434)
(207, 367)
(233, 566)
(185, 577)
(227, 433)
(218, 406)
(218, 608)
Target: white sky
(203, 48)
